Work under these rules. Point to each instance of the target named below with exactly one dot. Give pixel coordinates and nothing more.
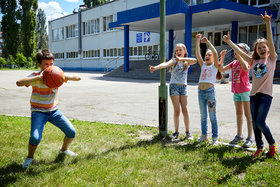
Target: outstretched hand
(152, 68)
(226, 38)
(198, 36)
(266, 18)
(204, 40)
(223, 53)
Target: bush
(2, 62)
(21, 60)
(29, 62)
(10, 61)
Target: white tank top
(178, 74)
(208, 73)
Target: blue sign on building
(147, 37)
(139, 37)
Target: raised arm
(223, 68)
(161, 65)
(245, 66)
(197, 50)
(267, 19)
(214, 51)
(236, 49)
(28, 80)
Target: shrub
(21, 60)
(2, 62)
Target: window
(58, 34)
(140, 51)
(91, 26)
(71, 31)
(59, 55)
(210, 37)
(72, 54)
(243, 34)
(252, 35)
(91, 53)
(106, 21)
(217, 39)
(262, 31)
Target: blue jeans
(260, 105)
(206, 99)
(39, 119)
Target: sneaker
(248, 143)
(189, 136)
(175, 135)
(272, 150)
(215, 140)
(202, 138)
(259, 153)
(68, 152)
(27, 162)
(238, 138)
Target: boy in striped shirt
(44, 108)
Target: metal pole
(163, 101)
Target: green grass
(115, 155)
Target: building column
(188, 35)
(171, 45)
(126, 48)
(234, 31)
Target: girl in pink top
(263, 62)
(240, 87)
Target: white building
(90, 44)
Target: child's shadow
(7, 173)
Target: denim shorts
(177, 89)
(245, 96)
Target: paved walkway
(116, 100)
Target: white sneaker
(68, 152)
(202, 138)
(215, 141)
(27, 162)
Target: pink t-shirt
(239, 78)
(263, 72)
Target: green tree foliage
(28, 26)
(10, 27)
(2, 62)
(20, 60)
(41, 31)
(11, 61)
(92, 3)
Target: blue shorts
(39, 119)
(245, 96)
(177, 89)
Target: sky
(57, 8)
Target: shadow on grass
(238, 165)
(7, 173)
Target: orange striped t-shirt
(43, 98)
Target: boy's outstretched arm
(72, 77)
(267, 19)
(28, 80)
(236, 49)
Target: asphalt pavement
(128, 101)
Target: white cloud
(72, 1)
(52, 10)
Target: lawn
(119, 155)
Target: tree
(10, 27)
(92, 3)
(41, 31)
(28, 26)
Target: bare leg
(184, 103)
(239, 116)
(31, 150)
(66, 143)
(176, 105)
(246, 106)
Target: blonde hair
(186, 54)
(255, 55)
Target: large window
(91, 53)
(91, 26)
(71, 31)
(58, 34)
(249, 34)
(72, 54)
(106, 21)
(59, 55)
